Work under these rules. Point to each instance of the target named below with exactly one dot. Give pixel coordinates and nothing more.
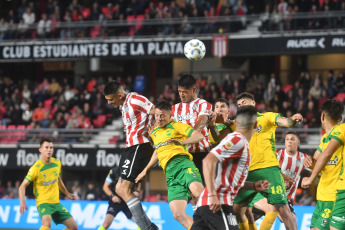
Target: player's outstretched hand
(287, 178)
(308, 161)
(140, 176)
(262, 185)
(297, 117)
(23, 208)
(175, 141)
(306, 182)
(72, 196)
(214, 204)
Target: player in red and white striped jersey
(194, 112)
(232, 157)
(291, 162)
(137, 112)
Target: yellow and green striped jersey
(45, 181)
(165, 150)
(262, 146)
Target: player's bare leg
(286, 215)
(108, 221)
(124, 189)
(178, 209)
(47, 221)
(240, 212)
(196, 189)
(70, 224)
(251, 219)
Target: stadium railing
(259, 24)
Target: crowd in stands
(62, 104)
(52, 18)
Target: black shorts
(291, 207)
(115, 208)
(197, 159)
(134, 159)
(205, 219)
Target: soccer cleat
(154, 227)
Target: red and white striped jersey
(136, 119)
(293, 167)
(188, 113)
(234, 160)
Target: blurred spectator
(44, 27)
(29, 17)
(38, 112)
(90, 193)
(306, 199)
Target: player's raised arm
(22, 188)
(321, 162)
(289, 122)
(196, 137)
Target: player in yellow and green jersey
(265, 166)
(329, 212)
(220, 125)
(183, 178)
(45, 176)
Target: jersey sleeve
(338, 133)
(141, 103)
(183, 129)
(205, 108)
(109, 178)
(32, 174)
(320, 147)
(229, 148)
(272, 118)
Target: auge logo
(168, 133)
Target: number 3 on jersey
(277, 190)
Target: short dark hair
(247, 110)
(111, 88)
(244, 95)
(293, 133)
(222, 100)
(49, 140)
(187, 81)
(333, 108)
(163, 105)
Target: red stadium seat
(48, 103)
(340, 97)
(287, 88)
(99, 121)
(86, 13)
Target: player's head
(331, 110)
(162, 113)
(292, 142)
(46, 147)
(187, 88)
(246, 118)
(114, 93)
(244, 99)
(222, 106)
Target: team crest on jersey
(182, 118)
(168, 133)
(125, 108)
(259, 128)
(228, 145)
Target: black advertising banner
(71, 158)
(269, 45)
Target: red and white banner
(220, 46)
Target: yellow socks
(44, 228)
(190, 227)
(244, 226)
(253, 227)
(101, 228)
(268, 221)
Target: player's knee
(47, 221)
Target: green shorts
(256, 198)
(322, 215)
(276, 194)
(338, 213)
(57, 211)
(180, 173)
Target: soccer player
(331, 112)
(194, 112)
(232, 158)
(265, 165)
(45, 175)
(291, 164)
(220, 125)
(137, 113)
(170, 139)
(116, 203)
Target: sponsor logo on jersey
(259, 128)
(49, 182)
(333, 162)
(182, 118)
